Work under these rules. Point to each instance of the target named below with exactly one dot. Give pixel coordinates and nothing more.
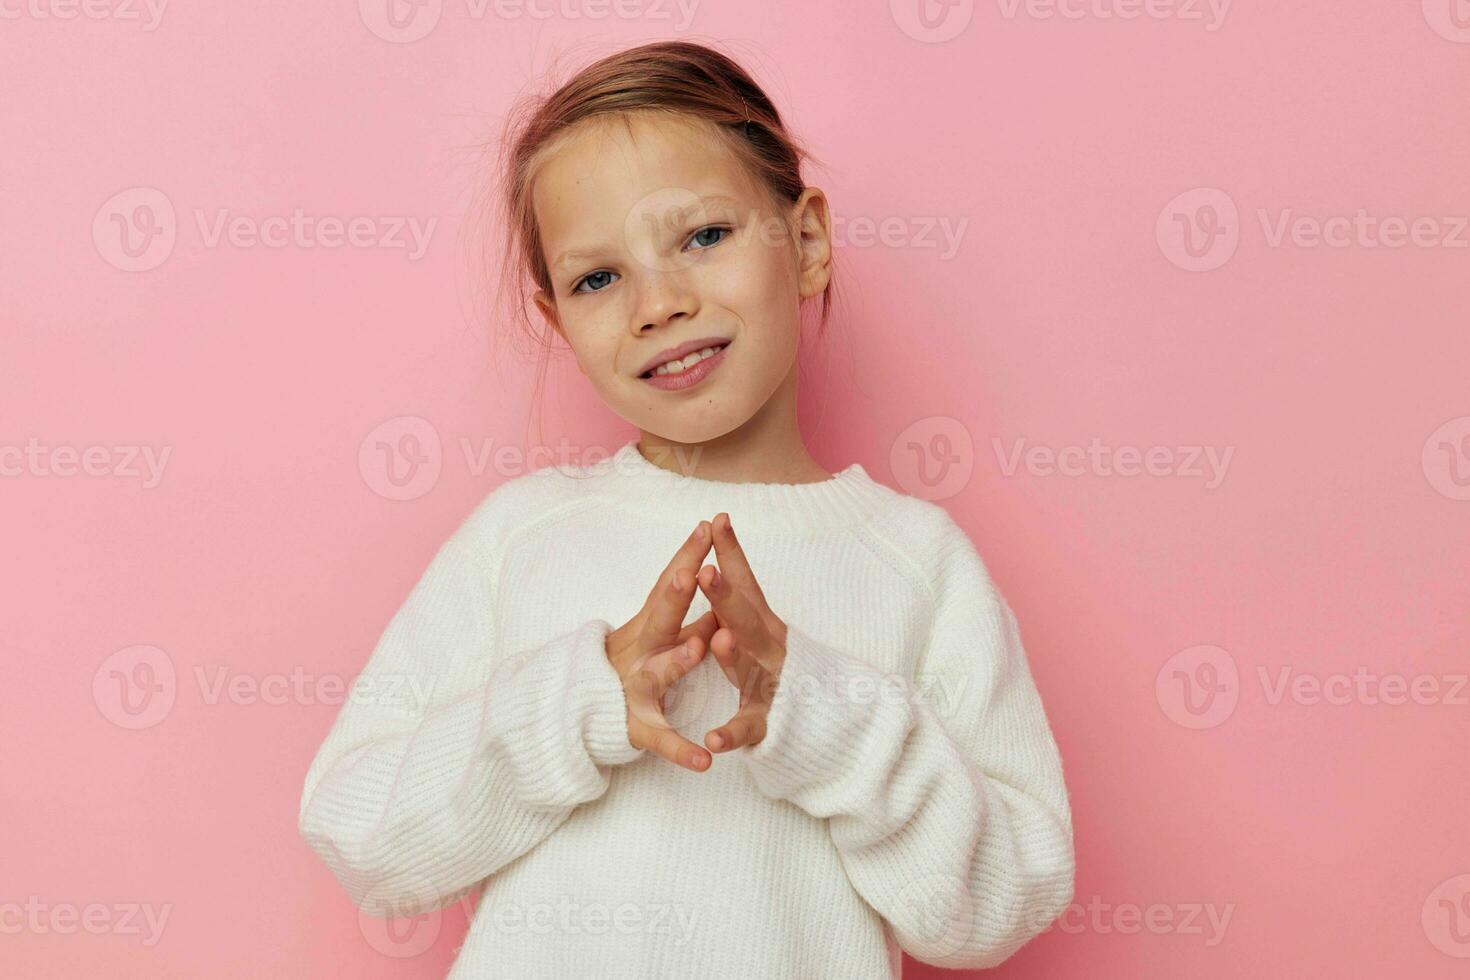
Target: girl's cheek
(740, 276)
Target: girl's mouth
(687, 372)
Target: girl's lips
(689, 378)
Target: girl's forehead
(602, 171)
(597, 156)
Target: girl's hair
(675, 78)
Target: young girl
(820, 748)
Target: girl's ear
(814, 228)
(547, 307)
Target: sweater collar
(631, 482)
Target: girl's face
(660, 241)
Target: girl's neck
(768, 448)
(734, 458)
(670, 494)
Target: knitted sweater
(908, 793)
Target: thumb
(704, 627)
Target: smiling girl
(818, 749)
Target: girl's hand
(750, 644)
(650, 653)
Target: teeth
(675, 367)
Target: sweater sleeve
(441, 768)
(943, 792)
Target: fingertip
(715, 741)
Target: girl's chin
(686, 431)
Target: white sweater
(908, 792)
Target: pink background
(1337, 541)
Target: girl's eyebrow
(577, 255)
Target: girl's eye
(705, 231)
(585, 280)
(595, 282)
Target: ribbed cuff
(597, 694)
(831, 716)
